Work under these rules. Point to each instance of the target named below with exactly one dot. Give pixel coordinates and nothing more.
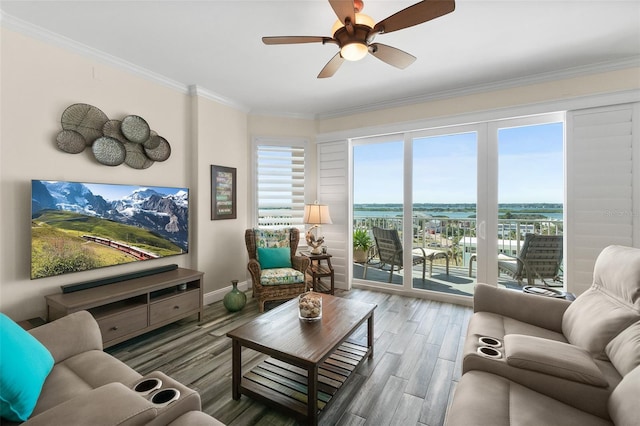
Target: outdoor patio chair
(276, 271)
(389, 249)
(540, 257)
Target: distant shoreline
(516, 207)
(461, 210)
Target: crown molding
(195, 90)
(39, 33)
(298, 116)
(501, 113)
(26, 28)
(489, 87)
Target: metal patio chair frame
(390, 252)
(540, 257)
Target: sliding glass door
(444, 181)
(530, 202)
(378, 203)
(418, 192)
(453, 202)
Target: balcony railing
(459, 235)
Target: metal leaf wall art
(113, 142)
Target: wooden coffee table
(306, 358)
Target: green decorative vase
(235, 300)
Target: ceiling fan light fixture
(336, 26)
(361, 19)
(354, 32)
(354, 51)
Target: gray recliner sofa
(87, 386)
(531, 359)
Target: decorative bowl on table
(310, 306)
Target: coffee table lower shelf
(278, 383)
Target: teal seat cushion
(24, 365)
(274, 257)
(279, 276)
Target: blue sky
(531, 164)
(530, 168)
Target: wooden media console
(131, 307)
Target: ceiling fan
(354, 32)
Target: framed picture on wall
(223, 192)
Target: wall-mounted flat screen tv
(80, 226)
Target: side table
(548, 292)
(317, 271)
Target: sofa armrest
(554, 358)
(541, 311)
(111, 404)
(193, 418)
(69, 335)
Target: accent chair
(276, 271)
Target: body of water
(441, 212)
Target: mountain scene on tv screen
(75, 228)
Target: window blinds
(280, 185)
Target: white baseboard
(217, 295)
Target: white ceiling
(217, 46)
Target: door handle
(482, 230)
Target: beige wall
(38, 81)
(221, 134)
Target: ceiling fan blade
(396, 57)
(295, 39)
(344, 9)
(417, 14)
(332, 66)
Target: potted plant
(361, 245)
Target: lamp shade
(316, 214)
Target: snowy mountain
(69, 196)
(166, 215)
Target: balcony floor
(457, 282)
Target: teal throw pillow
(24, 365)
(274, 257)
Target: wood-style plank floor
(409, 381)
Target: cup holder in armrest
(490, 341)
(147, 385)
(164, 397)
(489, 352)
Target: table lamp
(316, 215)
